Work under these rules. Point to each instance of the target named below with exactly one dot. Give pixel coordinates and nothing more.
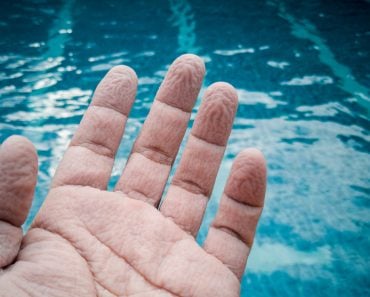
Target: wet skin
(87, 241)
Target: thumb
(18, 176)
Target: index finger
(89, 158)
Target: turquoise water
(302, 72)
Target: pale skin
(87, 241)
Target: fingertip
(124, 71)
(15, 139)
(193, 59)
(18, 177)
(252, 155)
(182, 83)
(18, 146)
(117, 90)
(20, 151)
(216, 114)
(247, 180)
(224, 89)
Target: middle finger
(155, 149)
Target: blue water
(302, 72)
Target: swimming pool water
(302, 73)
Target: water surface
(302, 73)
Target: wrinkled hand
(86, 241)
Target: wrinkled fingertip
(18, 145)
(247, 180)
(252, 155)
(223, 89)
(192, 59)
(124, 70)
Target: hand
(86, 241)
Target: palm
(87, 241)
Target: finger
(156, 147)
(231, 234)
(18, 175)
(193, 182)
(89, 159)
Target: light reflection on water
(298, 102)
